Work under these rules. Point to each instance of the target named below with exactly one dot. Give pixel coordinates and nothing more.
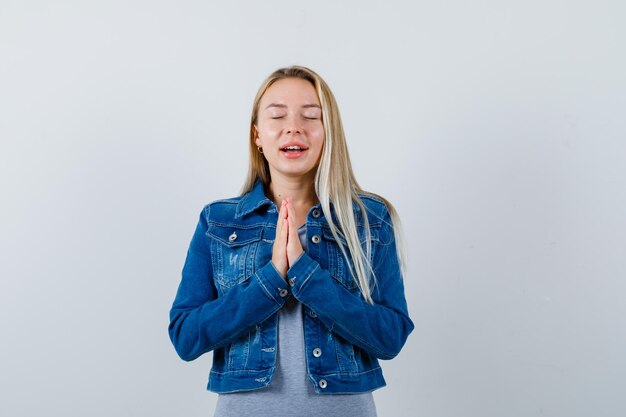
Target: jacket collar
(253, 200)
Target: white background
(497, 128)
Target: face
(289, 128)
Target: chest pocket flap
(235, 236)
(338, 266)
(233, 252)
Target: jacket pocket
(233, 251)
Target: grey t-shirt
(291, 391)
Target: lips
(294, 147)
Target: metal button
(292, 281)
(323, 383)
(316, 213)
(317, 352)
(283, 292)
(232, 237)
(315, 239)
(312, 313)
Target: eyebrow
(284, 106)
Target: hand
(287, 248)
(294, 247)
(279, 250)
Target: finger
(284, 231)
(282, 228)
(291, 213)
(294, 247)
(280, 242)
(281, 216)
(279, 250)
(290, 216)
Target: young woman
(295, 285)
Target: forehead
(290, 91)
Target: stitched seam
(307, 278)
(269, 294)
(364, 342)
(216, 345)
(237, 226)
(350, 373)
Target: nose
(293, 126)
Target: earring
(260, 149)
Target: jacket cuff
(273, 283)
(300, 272)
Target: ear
(256, 135)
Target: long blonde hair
(334, 181)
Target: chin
(298, 172)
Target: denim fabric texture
(230, 293)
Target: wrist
(281, 271)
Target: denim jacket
(230, 294)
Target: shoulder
(221, 210)
(377, 208)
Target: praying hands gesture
(287, 248)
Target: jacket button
(292, 281)
(317, 352)
(232, 237)
(315, 239)
(323, 383)
(283, 292)
(312, 313)
(316, 213)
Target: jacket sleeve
(380, 328)
(200, 320)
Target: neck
(300, 189)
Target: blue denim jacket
(230, 294)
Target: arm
(382, 328)
(200, 321)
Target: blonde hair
(334, 181)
